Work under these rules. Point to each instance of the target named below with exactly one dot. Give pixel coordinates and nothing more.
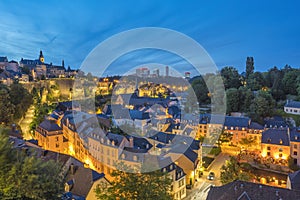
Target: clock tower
(41, 58)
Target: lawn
(207, 161)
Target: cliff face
(60, 87)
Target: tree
(232, 170)
(255, 81)
(6, 107)
(20, 98)
(262, 106)
(233, 100)
(274, 81)
(148, 186)
(246, 97)
(249, 66)
(290, 81)
(27, 177)
(231, 77)
(200, 89)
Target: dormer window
(123, 156)
(134, 158)
(171, 167)
(269, 140)
(280, 141)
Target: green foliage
(233, 100)
(256, 81)
(262, 106)
(232, 171)
(40, 111)
(231, 77)
(26, 177)
(6, 107)
(200, 89)
(133, 186)
(290, 82)
(215, 151)
(21, 99)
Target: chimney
(45, 152)
(130, 141)
(72, 169)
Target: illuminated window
(280, 142)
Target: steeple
(136, 91)
(63, 63)
(41, 58)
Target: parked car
(211, 176)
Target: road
(201, 188)
(25, 122)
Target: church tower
(41, 58)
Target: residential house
(50, 136)
(292, 107)
(295, 145)
(3, 62)
(242, 190)
(275, 143)
(293, 181)
(82, 182)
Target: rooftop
(241, 190)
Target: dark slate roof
(50, 125)
(274, 136)
(175, 112)
(68, 105)
(276, 121)
(229, 121)
(211, 119)
(134, 100)
(107, 110)
(292, 104)
(162, 137)
(141, 143)
(115, 137)
(3, 59)
(54, 116)
(295, 135)
(167, 166)
(102, 116)
(96, 176)
(83, 180)
(136, 114)
(256, 126)
(241, 189)
(295, 180)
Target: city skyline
(259, 29)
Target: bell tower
(41, 58)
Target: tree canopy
(135, 186)
(27, 177)
(232, 171)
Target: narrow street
(201, 187)
(24, 123)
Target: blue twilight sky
(228, 30)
